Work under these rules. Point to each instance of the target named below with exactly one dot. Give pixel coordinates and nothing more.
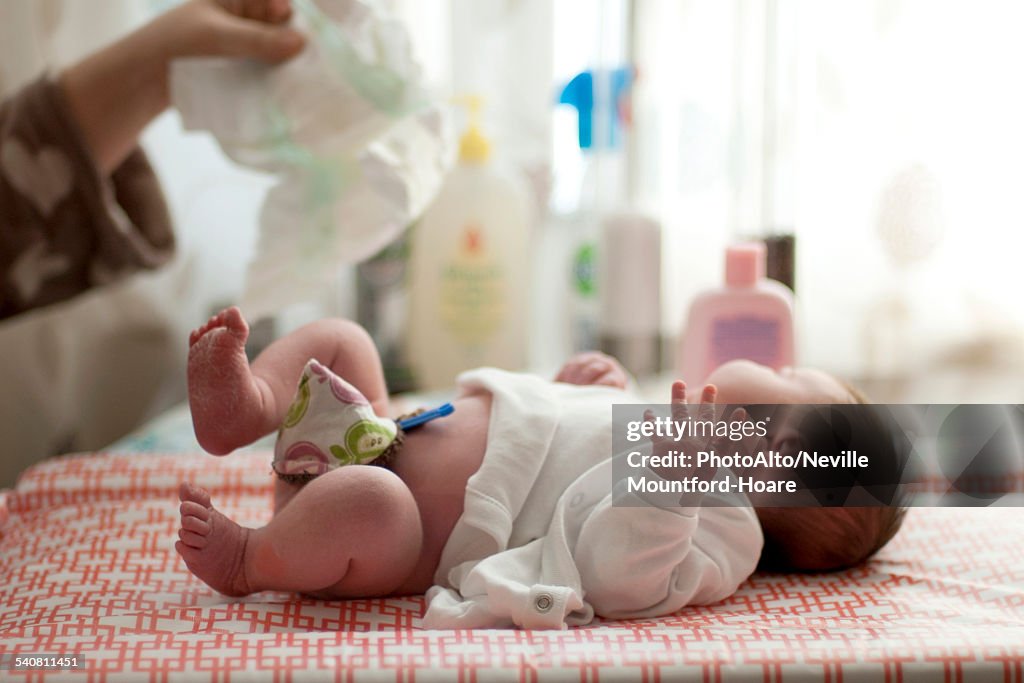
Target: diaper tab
(423, 416)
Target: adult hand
(229, 28)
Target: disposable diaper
(329, 424)
(357, 145)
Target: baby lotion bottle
(750, 318)
(469, 271)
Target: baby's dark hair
(825, 539)
(834, 538)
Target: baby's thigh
(372, 514)
(284, 492)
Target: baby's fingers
(593, 370)
(612, 378)
(707, 402)
(680, 411)
(657, 440)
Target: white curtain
(908, 180)
(885, 134)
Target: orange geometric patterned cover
(87, 566)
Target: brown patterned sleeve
(64, 227)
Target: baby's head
(806, 538)
(824, 539)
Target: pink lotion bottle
(750, 318)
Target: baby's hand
(661, 445)
(593, 367)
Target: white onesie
(540, 545)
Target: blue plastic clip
(427, 416)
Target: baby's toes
(195, 525)
(192, 539)
(189, 493)
(192, 510)
(233, 319)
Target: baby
(501, 512)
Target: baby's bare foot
(226, 404)
(212, 545)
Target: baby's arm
(647, 561)
(637, 558)
(593, 367)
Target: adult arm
(114, 93)
(79, 204)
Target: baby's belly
(435, 463)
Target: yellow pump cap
(474, 147)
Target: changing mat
(87, 566)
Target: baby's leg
(353, 532)
(234, 404)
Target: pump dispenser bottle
(596, 96)
(469, 270)
(750, 318)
